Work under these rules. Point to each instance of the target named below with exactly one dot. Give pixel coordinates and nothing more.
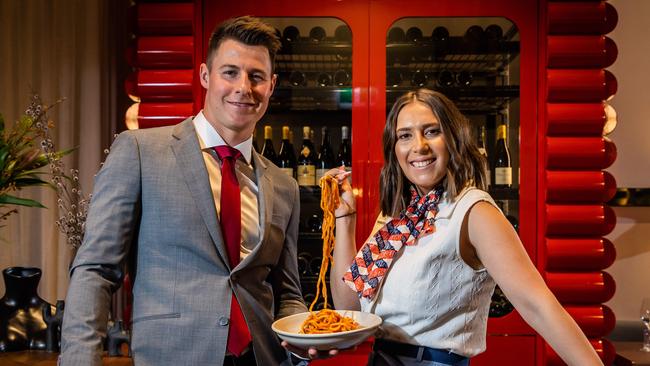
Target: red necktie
(239, 337)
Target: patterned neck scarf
(375, 257)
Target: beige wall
(632, 167)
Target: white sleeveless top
(430, 296)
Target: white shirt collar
(211, 137)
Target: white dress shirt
(250, 217)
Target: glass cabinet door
(475, 62)
(307, 128)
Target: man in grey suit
(157, 197)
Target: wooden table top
(42, 358)
(629, 353)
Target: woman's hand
(348, 204)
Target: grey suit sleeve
(96, 272)
(285, 275)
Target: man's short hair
(245, 29)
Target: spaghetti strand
(327, 320)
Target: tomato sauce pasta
(327, 320)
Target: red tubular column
(162, 56)
(575, 119)
(581, 254)
(580, 186)
(579, 153)
(165, 18)
(163, 114)
(575, 217)
(165, 52)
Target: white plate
(288, 329)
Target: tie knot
(225, 152)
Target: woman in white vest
(439, 247)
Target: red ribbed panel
(581, 288)
(165, 19)
(594, 320)
(575, 119)
(603, 347)
(579, 153)
(580, 186)
(575, 216)
(581, 254)
(579, 220)
(171, 52)
(162, 114)
(162, 54)
(173, 85)
(581, 51)
(581, 18)
(587, 85)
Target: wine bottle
(341, 77)
(464, 78)
(303, 263)
(344, 156)
(306, 160)
(297, 78)
(267, 149)
(396, 35)
(394, 78)
(286, 157)
(414, 34)
(502, 167)
(324, 79)
(290, 34)
(317, 34)
(255, 147)
(482, 148)
(325, 159)
(445, 78)
(419, 78)
(494, 36)
(440, 38)
(474, 39)
(343, 34)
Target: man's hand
(311, 353)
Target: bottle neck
(501, 132)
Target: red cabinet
(544, 77)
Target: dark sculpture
(21, 316)
(53, 321)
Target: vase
(21, 311)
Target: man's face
(239, 85)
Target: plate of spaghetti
(327, 331)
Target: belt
(419, 352)
(245, 359)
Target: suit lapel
(186, 148)
(265, 204)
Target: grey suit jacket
(152, 199)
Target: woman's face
(421, 148)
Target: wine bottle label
(287, 171)
(305, 151)
(320, 173)
(307, 175)
(503, 176)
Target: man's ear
(204, 75)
